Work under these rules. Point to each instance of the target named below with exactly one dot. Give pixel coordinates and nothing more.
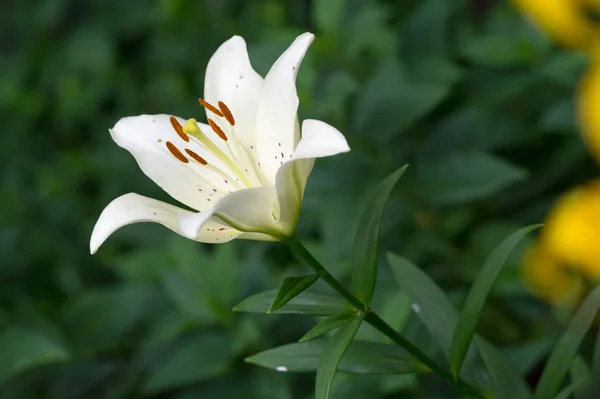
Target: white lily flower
(244, 173)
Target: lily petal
(251, 210)
(191, 183)
(318, 140)
(231, 79)
(134, 208)
(276, 123)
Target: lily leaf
(291, 287)
(434, 309)
(506, 381)
(328, 324)
(307, 302)
(360, 358)
(364, 256)
(467, 321)
(566, 348)
(332, 356)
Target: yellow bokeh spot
(549, 278)
(566, 21)
(572, 230)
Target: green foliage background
(466, 92)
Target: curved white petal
(318, 140)
(134, 208)
(251, 210)
(231, 79)
(193, 184)
(277, 133)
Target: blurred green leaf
(328, 324)
(391, 102)
(467, 321)
(465, 177)
(309, 302)
(498, 51)
(98, 319)
(292, 287)
(566, 348)
(360, 358)
(328, 15)
(332, 355)
(22, 349)
(192, 360)
(426, 31)
(364, 254)
(581, 377)
(506, 381)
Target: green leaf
(192, 360)
(392, 101)
(364, 255)
(22, 349)
(292, 287)
(360, 358)
(506, 381)
(332, 356)
(307, 302)
(581, 377)
(595, 385)
(467, 321)
(566, 348)
(433, 308)
(328, 15)
(328, 324)
(464, 177)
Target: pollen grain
(196, 157)
(210, 107)
(178, 129)
(217, 129)
(176, 153)
(226, 113)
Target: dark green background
(477, 102)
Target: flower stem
(373, 319)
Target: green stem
(373, 319)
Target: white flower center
(244, 171)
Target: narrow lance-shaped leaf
(566, 349)
(506, 381)
(595, 384)
(332, 356)
(581, 377)
(291, 287)
(360, 358)
(328, 324)
(307, 302)
(364, 256)
(437, 313)
(467, 321)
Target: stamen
(196, 157)
(217, 129)
(210, 107)
(226, 113)
(176, 153)
(178, 129)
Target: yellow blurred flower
(573, 229)
(549, 278)
(566, 258)
(566, 21)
